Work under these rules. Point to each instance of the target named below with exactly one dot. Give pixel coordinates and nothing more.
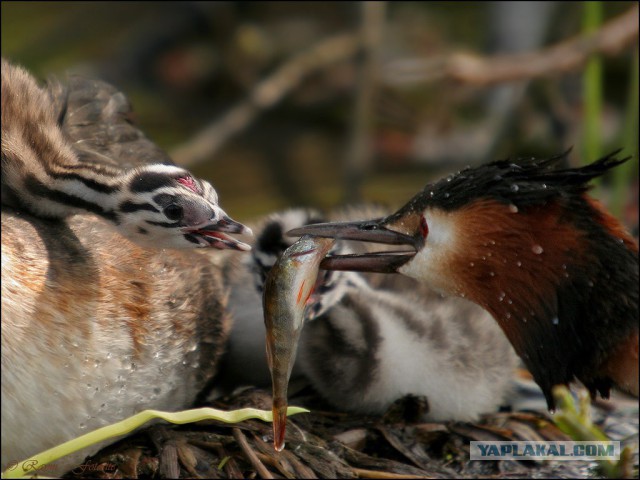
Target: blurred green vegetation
(592, 148)
(184, 64)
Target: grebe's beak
(374, 231)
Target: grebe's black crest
(522, 182)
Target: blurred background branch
(616, 35)
(319, 103)
(206, 143)
(359, 152)
(568, 55)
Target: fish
(288, 288)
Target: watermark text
(545, 450)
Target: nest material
(331, 444)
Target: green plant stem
(626, 172)
(592, 89)
(576, 422)
(32, 465)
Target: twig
(211, 446)
(359, 153)
(265, 95)
(187, 458)
(363, 473)
(169, 467)
(278, 460)
(231, 466)
(301, 469)
(610, 39)
(250, 454)
(264, 458)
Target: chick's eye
(424, 227)
(173, 212)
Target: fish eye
(424, 227)
(173, 212)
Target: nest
(331, 444)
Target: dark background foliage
(184, 65)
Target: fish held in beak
(374, 231)
(288, 288)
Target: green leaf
(31, 465)
(575, 421)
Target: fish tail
(279, 423)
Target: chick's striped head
(164, 206)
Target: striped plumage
(156, 205)
(94, 327)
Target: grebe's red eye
(424, 228)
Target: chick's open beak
(228, 225)
(373, 231)
(213, 234)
